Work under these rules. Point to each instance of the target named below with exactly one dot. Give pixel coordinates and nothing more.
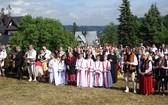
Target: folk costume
(163, 74)
(44, 57)
(71, 71)
(38, 70)
(129, 69)
(145, 84)
(31, 57)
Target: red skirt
(146, 84)
(71, 79)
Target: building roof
(80, 37)
(2, 29)
(6, 20)
(89, 37)
(7, 24)
(4, 39)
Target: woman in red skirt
(145, 83)
(71, 71)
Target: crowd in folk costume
(90, 66)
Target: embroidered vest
(129, 58)
(145, 65)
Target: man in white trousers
(130, 63)
(30, 58)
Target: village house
(87, 38)
(8, 26)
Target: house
(87, 37)
(8, 26)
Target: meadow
(15, 92)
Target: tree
(163, 35)
(109, 35)
(152, 26)
(9, 9)
(42, 31)
(128, 26)
(74, 28)
(165, 21)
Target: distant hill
(99, 29)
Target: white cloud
(17, 10)
(83, 12)
(74, 16)
(18, 2)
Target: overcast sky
(83, 12)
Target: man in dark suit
(19, 61)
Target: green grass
(14, 92)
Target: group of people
(96, 66)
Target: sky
(83, 12)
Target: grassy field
(14, 92)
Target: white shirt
(107, 53)
(135, 63)
(62, 66)
(53, 65)
(150, 68)
(3, 54)
(48, 54)
(31, 54)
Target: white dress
(62, 72)
(98, 74)
(81, 72)
(90, 72)
(107, 74)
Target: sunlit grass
(14, 92)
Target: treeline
(152, 28)
(99, 29)
(42, 32)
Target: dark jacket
(19, 59)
